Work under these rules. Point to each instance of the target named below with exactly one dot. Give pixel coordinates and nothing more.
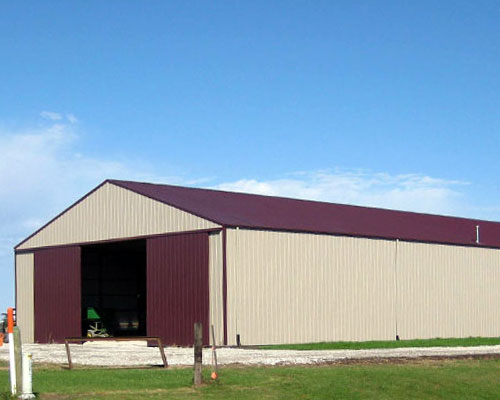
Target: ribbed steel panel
(216, 289)
(295, 287)
(112, 212)
(178, 287)
(57, 293)
(24, 296)
(447, 291)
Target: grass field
(429, 379)
(389, 344)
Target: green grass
(389, 344)
(450, 379)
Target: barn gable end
(112, 212)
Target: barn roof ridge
(118, 181)
(233, 209)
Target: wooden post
(214, 352)
(19, 358)
(214, 374)
(198, 353)
(162, 352)
(68, 353)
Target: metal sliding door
(57, 294)
(177, 287)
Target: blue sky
(383, 103)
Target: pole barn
(153, 259)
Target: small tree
(3, 327)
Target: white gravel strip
(138, 354)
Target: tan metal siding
(297, 287)
(448, 291)
(112, 212)
(24, 296)
(216, 291)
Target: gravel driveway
(138, 354)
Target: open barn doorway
(114, 289)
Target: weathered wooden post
(18, 350)
(198, 353)
(214, 374)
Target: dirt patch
(411, 360)
(424, 360)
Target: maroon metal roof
(278, 213)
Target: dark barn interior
(114, 289)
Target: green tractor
(95, 327)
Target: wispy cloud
(50, 115)
(412, 192)
(41, 172)
(71, 118)
(55, 116)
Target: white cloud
(55, 116)
(50, 115)
(41, 173)
(411, 192)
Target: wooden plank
(156, 339)
(66, 344)
(162, 352)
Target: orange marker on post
(10, 320)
